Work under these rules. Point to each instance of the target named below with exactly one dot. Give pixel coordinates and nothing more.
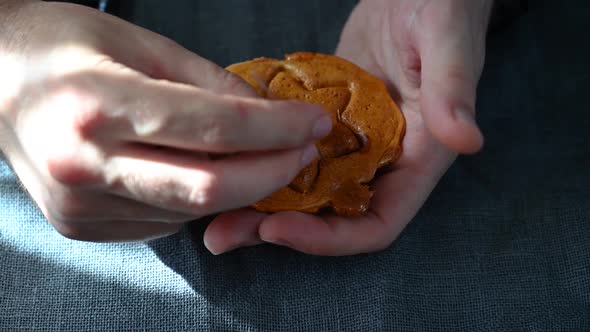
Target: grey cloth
(502, 244)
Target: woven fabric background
(502, 244)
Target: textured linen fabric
(502, 244)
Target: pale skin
(110, 132)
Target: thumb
(449, 77)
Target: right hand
(110, 126)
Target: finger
(162, 113)
(162, 58)
(232, 230)
(116, 231)
(197, 186)
(449, 75)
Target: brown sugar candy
(367, 132)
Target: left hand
(430, 53)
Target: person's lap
(501, 244)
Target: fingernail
(322, 127)
(310, 153)
(211, 248)
(465, 115)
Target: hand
(110, 127)
(431, 54)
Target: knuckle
(204, 194)
(242, 109)
(70, 169)
(217, 132)
(82, 110)
(146, 120)
(88, 120)
(71, 115)
(162, 45)
(229, 82)
(214, 134)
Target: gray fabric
(501, 245)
